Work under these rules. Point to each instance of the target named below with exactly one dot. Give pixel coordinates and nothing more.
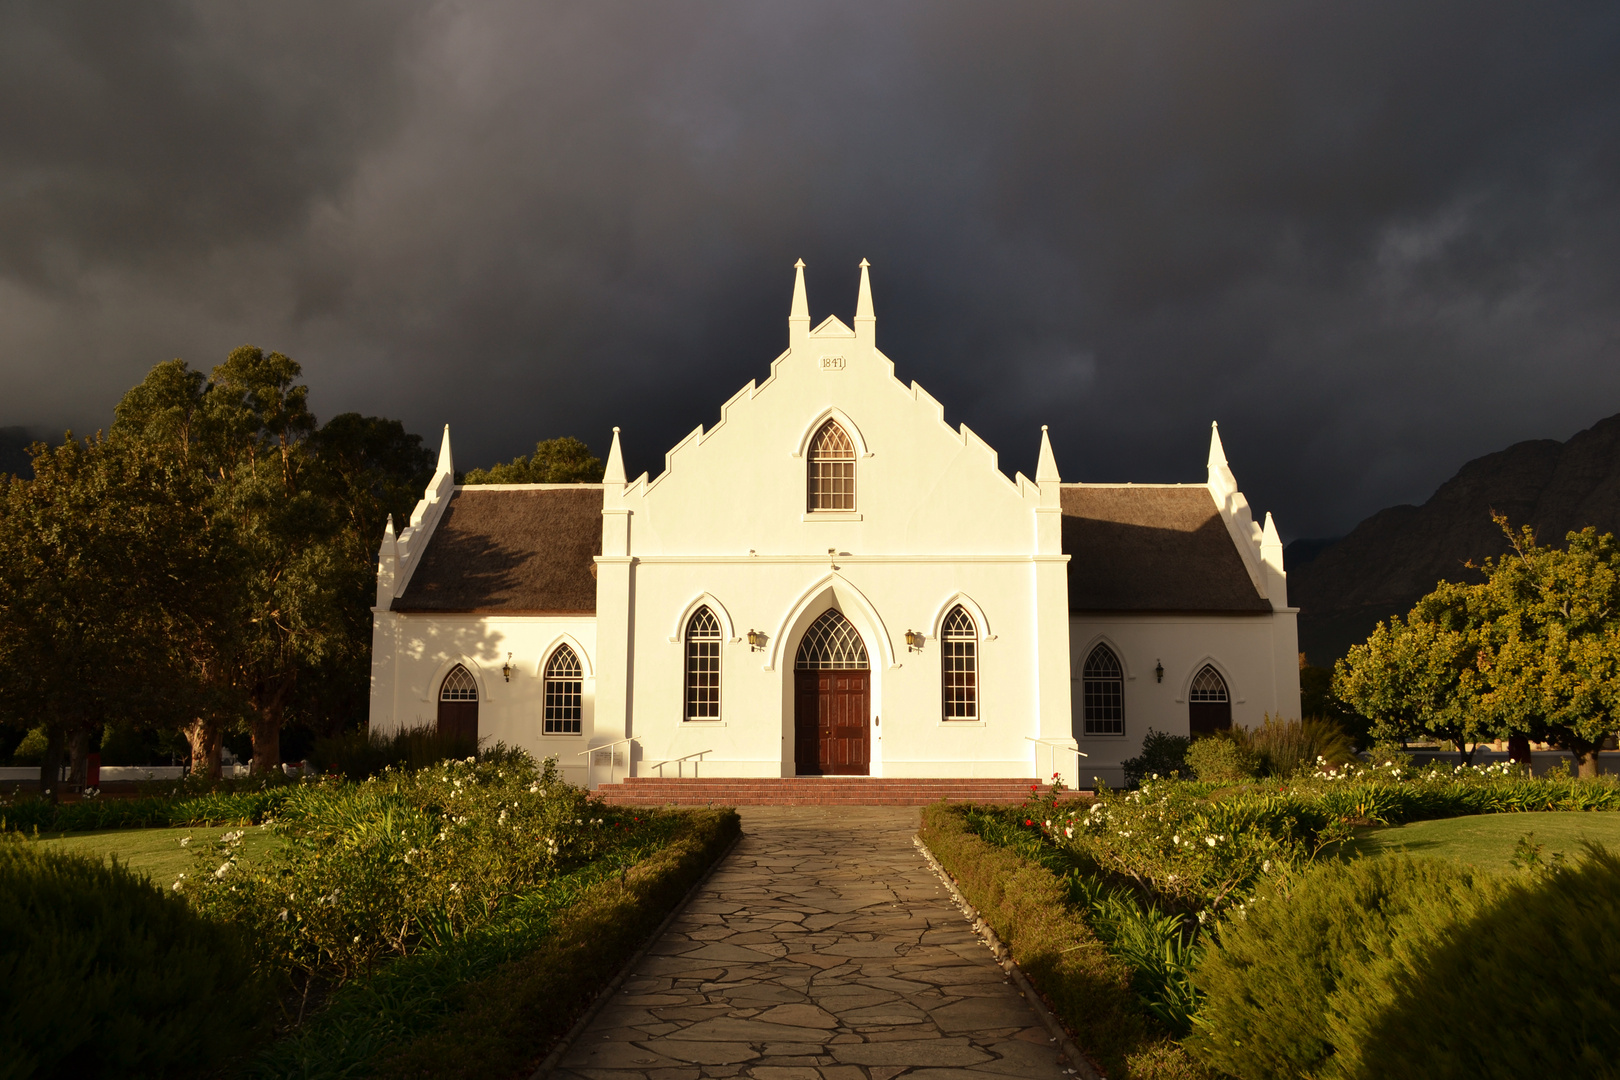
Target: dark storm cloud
(1373, 239)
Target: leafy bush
(1539, 961)
(361, 754)
(403, 861)
(106, 976)
(31, 751)
(1287, 748)
(250, 803)
(1162, 754)
(1028, 908)
(1298, 959)
(1222, 758)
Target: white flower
(357, 939)
(1210, 840)
(1176, 839)
(1068, 831)
(455, 887)
(502, 819)
(472, 761)
(283, 915)
(185, 840)
(1265, 867)
(224, 868)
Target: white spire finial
(863, 301)
(388, 530)
(445, 464)
(1046, 470)
(801, 305)
(1217, 453)
(614, 472)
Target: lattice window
(959, 656)
(1104, 693)
(703, 666)
(458, 686)
(832, 469)
(1207, 685)
(565, 698)
(831, 643)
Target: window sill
(703, 723)
(829, 515)
(1102, 735)
(961, 723)
(562, 734)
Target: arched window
(564, 693)
(831, 643)
(1104, 693)
(458, 686)
(959, 657)
(1209, 706)
(703, 666)
(832, 469)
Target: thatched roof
(1152, 549)
(512, 551)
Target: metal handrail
(1053, 745)
(590, 763)
(678, 761)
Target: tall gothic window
(832, 469)
(959, 643)
(1104, 693)
(703, 666)
(458, 686)
(564, 693)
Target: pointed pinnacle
(801, 305)
(613, 473)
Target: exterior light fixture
(1158, 672)
(913, 640)
(506, 668)
(756, 640)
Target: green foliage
(358, 755)
(407, 860)
(1162, 755)
(31, 751)
(554, 461)
(106, 976)
(1533, 650)
(1222, 758)
(1539, 961)
(1290, 971)
(246, 804)
(1287, 748)
(1317, 700)
(1028, 906)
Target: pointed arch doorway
(458, 706)
(832, 700)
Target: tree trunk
(1586, 758)
(79, 747)
(267, 740)
(50, 769)
(205, 736)
(1519, 749)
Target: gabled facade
(832, 580)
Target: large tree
(565, 460)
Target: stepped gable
(510, 549)
(1399, 554)
(1153, 548)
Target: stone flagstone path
(824, 948)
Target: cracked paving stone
(823, 948)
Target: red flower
(1027, 821)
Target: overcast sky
(1372, 239)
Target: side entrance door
(832, 723)
(458, 707)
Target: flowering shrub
(406, 859)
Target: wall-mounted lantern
(756, 640)
(506, 668)
(914, 640)
(1158, 672)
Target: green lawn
(1488, 840)
(158, 853)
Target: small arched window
(832, 469)
(1209, 706)
(703, 666)
(959, 656)
(1104, 693)
(458, 686)
(565, 698)
(831, 644)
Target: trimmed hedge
(1090, 990)
(506, 1023)
(101, 974)
(29, 813)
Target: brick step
(812, 791)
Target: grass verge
(1088, 989)
(1489, 841)
(156, 853)
(495, 1003)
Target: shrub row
(1090, 990)
(1385, 967)
(30, 813)
(494, 1001)
(104, 975)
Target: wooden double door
(832, 714)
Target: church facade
(832, 581)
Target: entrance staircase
(812, 791)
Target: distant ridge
(1396, 556)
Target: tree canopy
(1534, 650)
(554, 461)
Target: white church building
(832, 581)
